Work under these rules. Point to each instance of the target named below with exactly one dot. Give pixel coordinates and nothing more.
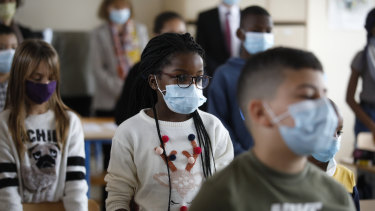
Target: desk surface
(95, 128)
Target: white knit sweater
(46, 173)
(137, 170)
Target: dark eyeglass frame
(196, 78)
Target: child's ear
(240, 34)
(259, 114)
(152, 81)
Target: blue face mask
(6, 58)
(119, 16)
(231, 2)
(315, 124)
(328, 154)
(256, 42)
(182, 100)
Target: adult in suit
(115, 46)
(216, 33)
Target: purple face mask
(38, 92)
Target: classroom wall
(77, 15)
(335, 48)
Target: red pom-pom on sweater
(197, 150)
(165, 139)
(184, 208)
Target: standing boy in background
(282, 95)
(8, 44)
(255, 35)
(216, 33)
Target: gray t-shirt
(247, 184)
(359, 64)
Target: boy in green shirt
(282, 95)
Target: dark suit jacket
(210, 36)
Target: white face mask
(256, 42)
(315, 123)
(119, 16)
(6, 59)
(182, 100)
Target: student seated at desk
(283, 97)
(325, 161)
(42, 157)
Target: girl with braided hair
(162, 154)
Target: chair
(55, 206)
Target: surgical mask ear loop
(156, 80)
(275, 119)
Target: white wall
(77, 15)
(335, 48)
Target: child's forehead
(41, 68)
(254, 20)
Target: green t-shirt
(247, 184)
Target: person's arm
(10, 198)
(121, 177)
(358, 111)
(218, 105)
(75, 190)
(104, 77)
(222, 148)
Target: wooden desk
(98, 128)
(97, 131)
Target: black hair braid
(164, 154)
(205, 142)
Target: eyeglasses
(184, 80)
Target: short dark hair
(264, 72)
(370, 23)
(252, 10)
(164, 17)
(6, 30)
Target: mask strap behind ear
(275, 119)
(158, 85)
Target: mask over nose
(38, 92)
(315, 122)
(6, 59)
(119, 16)
(256, 42)
(327, 154)
(182, 100)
